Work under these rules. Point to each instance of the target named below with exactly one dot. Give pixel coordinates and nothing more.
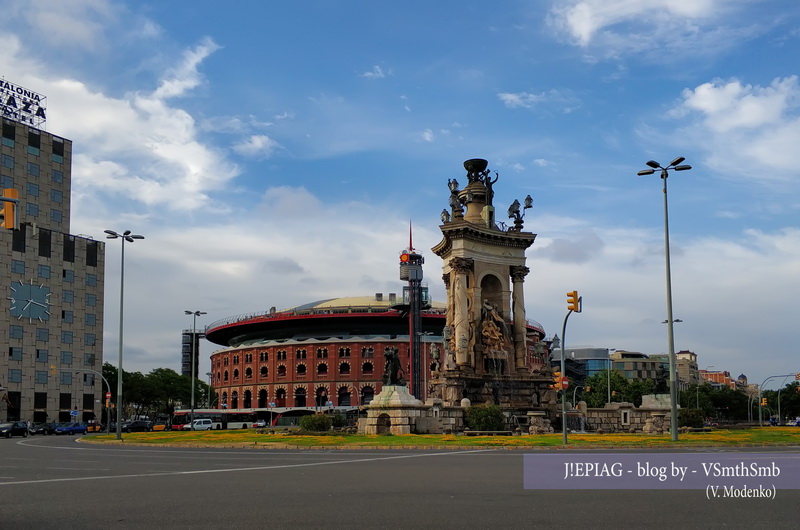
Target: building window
(66, 379)
(41, 356)
(322, 353)
(68, 276)
(34, 139)
(367, 353)
(69, 248)
(7, 161)
(344, 352)
(58, 176)
(282, 371)
(89, 339)
(68, 296)
(301, 370)
(31, 209)
(226, 376)
(264, 371)
(66, 358)
(42, 334)
(14, 353)
(18, 239)
(15, 331)
(9, 132)
(322, 369)
(14, 375)
(344, 369)
(33, 189)
(280, 355)
(88, 380)
(90, 319)
(67, 316)
(248, 373)
(66, 337)
(33, 169)
(88, 359)
(236, 374)
(44, 271)
(58, 148)
(17, 266)
(367, 368)
(301, 354)
(91, 299)
(40, 400)
(91, 253)
(45, 242)
(56, 196)
(41, 377)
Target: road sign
(564, 383)
(108, 395)
(73, 413)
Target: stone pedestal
(394, 411)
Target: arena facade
(328, 352)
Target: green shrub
(316, 422)
(485, 418)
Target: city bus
(247, 418)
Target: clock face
(29, 300)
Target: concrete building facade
(51, 324)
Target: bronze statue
(391, 372)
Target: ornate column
(518, 274)
(461, 267)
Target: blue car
(71, 428)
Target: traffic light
(763, 402)
(9, 210)
(588, 389)
(797, 376)
(573, 301)
(557, 380)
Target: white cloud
(259, 146)
(563, 99)
(749, 131)
(427, 135)
(375, 73)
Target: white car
(199, 425)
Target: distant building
(718, 379)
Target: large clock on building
(29, 300)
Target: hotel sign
(22, 105)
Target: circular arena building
(328, 353)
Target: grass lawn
(257, 438)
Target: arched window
(248, 399)
(280, 397)
(248, 373)
(235, 400)
(262, 398)
(344, 369)
(236, 374)
(300, 397)
(367, 393)
(322, 369)
(367, 368)
(301, 370)
(264, 371)
(344, 397)
(282, 371)
(226, 376)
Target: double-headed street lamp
(194, 314)
(675, 165)
(130, 238)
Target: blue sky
(273, 153)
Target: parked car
(260, 424)
(14, 428)
(199, 425)
(43, 428)
(95, 427)
(71, 428)
(160, 426)
(137, 426)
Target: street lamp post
(673, 383)
(108, 388)
(194, 314)
(130, 238)
(208, 401)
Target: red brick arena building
(325, 353)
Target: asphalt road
(55, 482)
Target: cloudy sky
(274, 153)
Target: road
(56, 482)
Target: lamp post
(426, 363)
(194, 314)
(208, 401)
(130, 238)
(675, 165)
(108, 388)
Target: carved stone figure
(445, 216)
(391, 372)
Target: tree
(597, 396)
